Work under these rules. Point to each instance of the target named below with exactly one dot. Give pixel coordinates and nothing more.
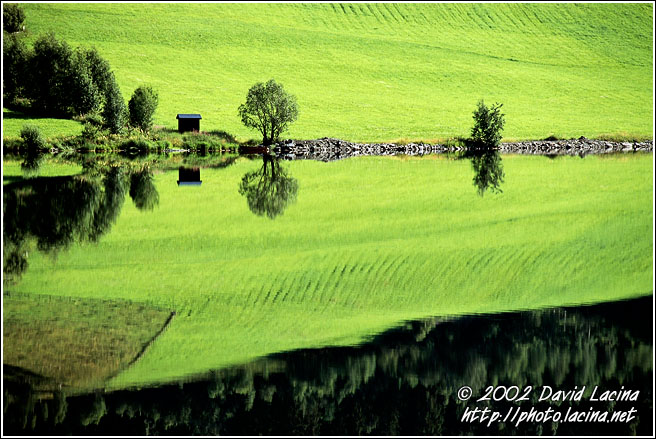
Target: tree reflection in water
(32, 162)
(270, 189)
(488, 171)
(142, 189)
(55, 212)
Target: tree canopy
(488, 124)
(13, 17)
(269, 109)
(142, 106)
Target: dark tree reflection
(32, 162)
(269, 190)
(142, 189)
(54, 212)
(110, 204)
(488, 170)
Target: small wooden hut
(188, 122)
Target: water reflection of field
(369, 242)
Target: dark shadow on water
(404, 382)
(269, 189)
(56, 212)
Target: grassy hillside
(369, 243)
(375, 72)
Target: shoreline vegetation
(163, 140)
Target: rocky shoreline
(327, 149)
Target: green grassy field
(14, 121)
(370, 242)
(378, 72)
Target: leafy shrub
(176, 143)
(11, 144)
(140, 144)
(134, 148)
(70, 142)
(488, 123)
(13, 17)
(91, 132)
(34, 144)
(164, 144)
(54, 80)
(99, 70)
(94, 119)
(60, 80)
(32, 138)
(142, 106)
(482, 148)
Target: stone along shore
(328, 149)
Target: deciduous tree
(269, 109)
(488, 124)
(142, 106)
(114, 110)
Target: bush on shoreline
(142, 106)
(96, 139)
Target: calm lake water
(502, 374)
(405, 382)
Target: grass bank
(369, 243)
(378, 72)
